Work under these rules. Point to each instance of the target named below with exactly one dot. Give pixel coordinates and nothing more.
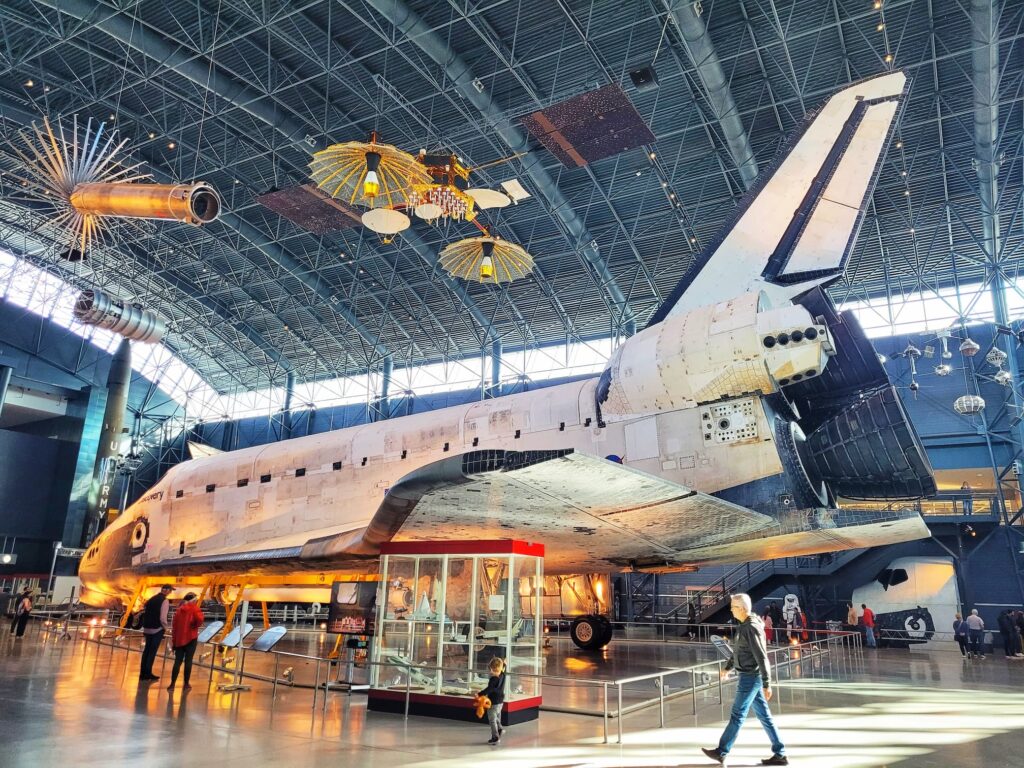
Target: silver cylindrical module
(94, 307)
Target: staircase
(746, 577)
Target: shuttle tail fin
(797, 226)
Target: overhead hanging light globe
(370, 174)
(969, 347)
(995, 357)
(968, 405)
(486, 260)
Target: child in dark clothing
(495, 691)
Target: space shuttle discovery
(727, 430)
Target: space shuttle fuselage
(724, 431)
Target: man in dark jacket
(754, 688)
(1008, 632)
(154, 625)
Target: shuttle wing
(797, 225)
(594, 515)
(591, 514)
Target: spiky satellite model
(83, 177)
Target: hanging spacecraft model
(82, 176)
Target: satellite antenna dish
(489, 198)
(385, 221)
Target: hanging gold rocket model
(85, 180)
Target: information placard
(352, 609)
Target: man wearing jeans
(868, 619)
(754, 689)
(154, 625)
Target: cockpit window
(890, 577)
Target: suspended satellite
(84, 179)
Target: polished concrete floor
(74, 704)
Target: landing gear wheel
(591, 632)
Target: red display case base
(449, 707)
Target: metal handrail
(831, 638)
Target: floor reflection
(79, 704)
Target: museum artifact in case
(444, 610)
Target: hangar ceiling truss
(246, 91)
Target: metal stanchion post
(604, 720)
(720, 692)
(277, 659)
(316, 684)
(661, 700)
(618, 714)
(693, 692)
(327, 687)
(408, 683)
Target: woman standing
(184, 637)
(960, 634)
(21, 614)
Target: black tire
(586, 632)
(591, 632)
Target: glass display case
(444, 610)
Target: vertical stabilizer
(798, 225)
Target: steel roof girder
(701, 52)
(459, 72)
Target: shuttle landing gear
(591, 633)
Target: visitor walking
(754, 688)
(184, 638)
(868, 619)
(154, 626)
(960, 634)
(975, 633)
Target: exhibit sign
(352, 608)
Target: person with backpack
(960, 635)
(184, 638)
(22, 611)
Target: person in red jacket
(184, 637)
(868, 620)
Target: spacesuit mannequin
(792, 615)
